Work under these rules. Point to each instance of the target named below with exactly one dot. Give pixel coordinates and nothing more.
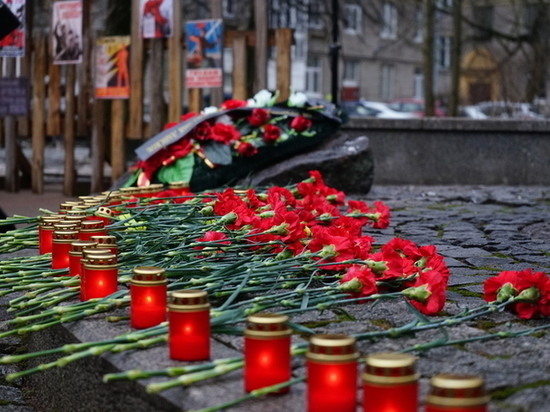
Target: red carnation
(428, 293)
(224, 133)
(202, 131)
(259, 117)
(187, 116)
(233, 104)
(170, 125)
(271, 133)
(359, 281)
(218, 238)
(300, 124)
(246, 149)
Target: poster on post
(67, 32)
(204, 53)
(13, 45)
(156, 18)
(112, 78)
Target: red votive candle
(45, 233)
(101, 276)
(91, 228)
(181, 188)
(75, 255)
(189, 325)
(129, 196)
(61, 245)
(456, 393)
(106, 243)
(390, 383)
(113, 197)
(266, 351)
(331, 363)
(148, 293)
(86, 253)
(75, 219)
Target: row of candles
(390, 382)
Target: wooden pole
(175, 67)
(260, 51)
(38, 98)
(10, 128)
(195, 100)
(69, 177)
(157, 106)
(53, 119)
(98, 146)
(216, 93)
(117, 139)
(135, 130)
(283, 38)
(239, 61)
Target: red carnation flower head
(202, 131)
(428, 293)
(224, 133)
(187, 116)
(215, 238)
(258, 117)
(233, 104)
(300, 124)
(359, 281)
(170, 125)
(271, 133)
(246, 149)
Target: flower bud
(419, 293)
(229, 218)
(281, 230)
(352, 286)
(530, 295)
(207, 211)
(506, 292)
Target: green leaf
(179, 171)
(132, 179)
(217, 153)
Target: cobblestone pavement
(481, 231)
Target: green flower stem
(140, 344)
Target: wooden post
(53, 118)
(283, 38)
(98, 146)
(260, 51)
(195, 100)
(157, 106)
(38, 97)
(117, 139)
(69, 179)
(175, 67)
(216, 93)
(239, 61)
(84, 72)
(12, 168)
(135, 129)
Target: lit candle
(456, 393)
(332, 374)
(91, 228)
(86, 253)
(147, 297)
(266, 351)
(61, 245)
(75, 255)
(106, 243)
(45, 233)
(101, 276)
(189, 325)
(390, 383)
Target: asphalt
(480, 231)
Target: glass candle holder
(266, 351)
(189, 325)
(331, 363)
(456, 393)
(91, 228)
(69, 205)
(101, 276)
(129, 196)
(45, 233)
(75, 255)
(180, 188)
(390, 383)
(61, 245)
(107, 243)
(76, 219)
(148, 293)
(86, 253)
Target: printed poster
(112, 79)
(13, 45)
(204, 53)
(156, 18)
(67, 32)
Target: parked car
(366, 108)
(415, 106)
(472, 112)
(509, 110)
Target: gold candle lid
(92, 225)
(106, 241)
(104, 261)
(332, 348)
(76, 212)
(129, 191)
(457, 390)
(148, 275)
(65, 225)
(93, 251)
(78, 246)
(74, 219)
(47, 221)
(84, 198)
(188, 300)
(178, 185)
(388, 368)
(105, 212)
(65, 206)
(65, 236)
(267, 325)
(156, 187)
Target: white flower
(251, 103)
(297, 99)
(209, 110)
(225, 119)
(264, 98)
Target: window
(483, 22)
(419, 25)
(418, 86)
(313, 75)
(352, 18)
(387, 81)
(389, 21)
(315, 16)
(282, 14)
(229, 8)
(351, 71)
(443, 52)
(299, 50)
